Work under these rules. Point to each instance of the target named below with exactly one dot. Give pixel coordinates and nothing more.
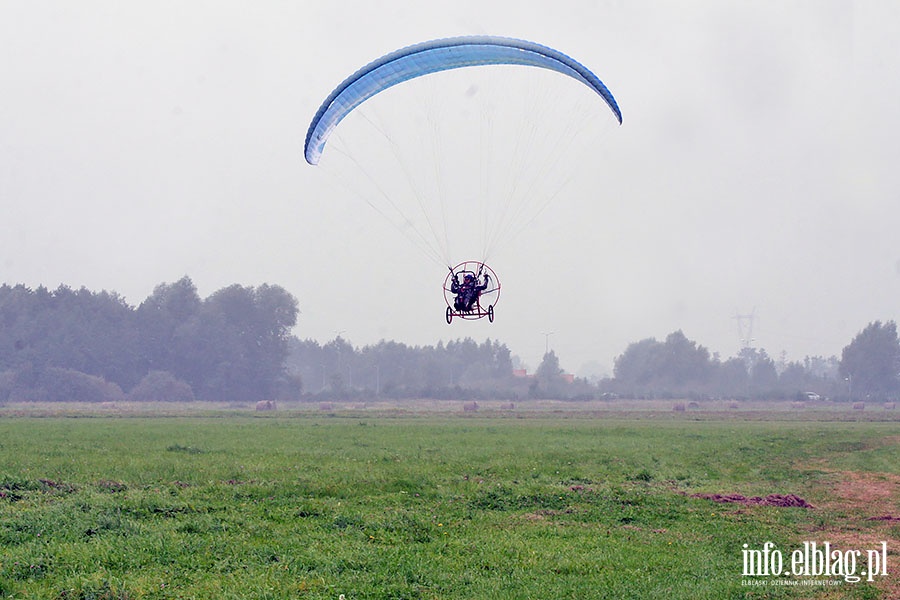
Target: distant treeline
(236, 346)
(680, 368)
(70, 344)
(674, 368)
(462, 369)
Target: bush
(7, 381)
(55, 384)
(289, 388)
(161, 386)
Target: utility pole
(547, 340)
(745, 335)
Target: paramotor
(461, 165)
(471, 291)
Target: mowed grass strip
(406, 508)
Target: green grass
(425, 507)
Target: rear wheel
(449, 315)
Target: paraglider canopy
(434, 56)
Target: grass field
(375, 504)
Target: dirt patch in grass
(783, 500)
(867, 492)
(864, 511)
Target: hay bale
(265, 405)
(859, 406)
(890, 405)
(470, 406)
(678, 407)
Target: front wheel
(449, 315)
(491, 313)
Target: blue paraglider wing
(431, 57)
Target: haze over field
(754, 172)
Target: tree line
(70, 344)
(236, 345)
(460, 369)
(680, 368)
(676, 367)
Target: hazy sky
(757, 169)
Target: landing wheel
(450, 315)
(491, 313)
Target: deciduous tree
(871, 361)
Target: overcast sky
(757, 169)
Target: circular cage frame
(484, 302)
